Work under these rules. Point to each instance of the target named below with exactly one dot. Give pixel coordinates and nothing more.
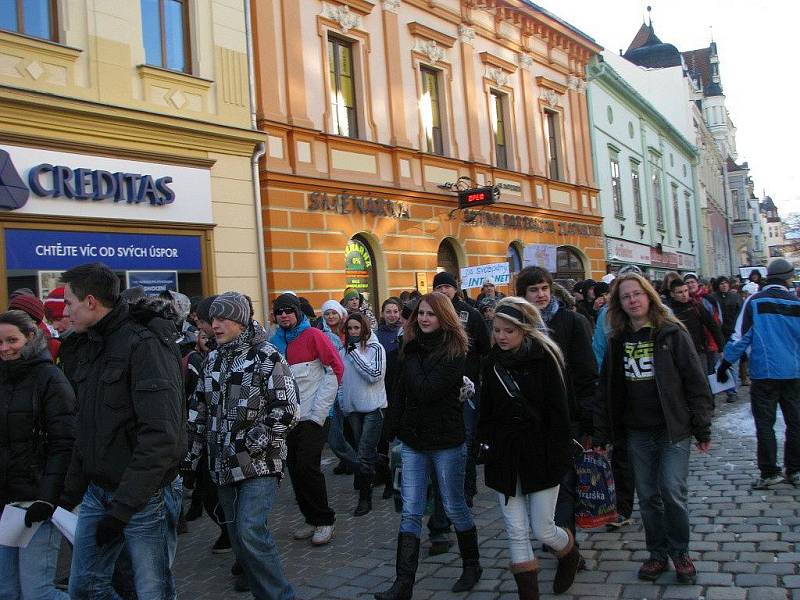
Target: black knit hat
(444, 278)
(287, 301)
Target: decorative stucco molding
(342, 15)
(391, 6)
(465, 34)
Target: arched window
(569, 265)
(514, 258)
(447, 259)
(359, 269)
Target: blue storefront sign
(59, 250)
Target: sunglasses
(284, 311)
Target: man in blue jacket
(769, 325)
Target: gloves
(38, 511)
(722, 371)
(108, 529)
(350, 347)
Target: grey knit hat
(232, 306)
(780, 268)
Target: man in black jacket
(573, 334)
(729, 303)
(478, 335)
(131, 438)
(695, 318)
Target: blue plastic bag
(597, 495)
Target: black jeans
(304, 453)
(623, 478)
(765, 396)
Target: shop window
(343, 87)
(447, 259)
(430, 106)
(499, 128)
(553, 144)
(569, 265)
(359, 269)
(36, 18)
(165, 29)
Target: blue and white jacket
(769, 325)
(362, 383)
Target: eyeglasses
(632, 296)
(284, 311)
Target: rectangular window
(431, 109)
(637, 193)
(343, 89)
(689, 228)
(676, 210)
(657, 197)
(35, 18)
(616, 185)
(553, 146)
(498, 114)
(165, 27)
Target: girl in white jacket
(362, 400)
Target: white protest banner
(540, 255)
(744, 272)
(473, 277)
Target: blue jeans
(247, 505)
(660, 470)
(367, 429)
(336, 438)
(149, 537)
(27, 573)
(448, 467)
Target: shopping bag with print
(597, 497)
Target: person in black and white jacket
(363, 398)
(246, 402)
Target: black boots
(569, 560)
(364, 496)
(406, 567)
(470, 560)
(527, 577)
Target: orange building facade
(372, 107)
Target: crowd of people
(111, 402)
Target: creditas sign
(46, 182)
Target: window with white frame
(655, 181)
(616, 183)
(637, 193)
(497, 108)
(675, 210)
(343, 88)
(553, 139)
(431, 109)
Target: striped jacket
(362, 383)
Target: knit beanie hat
(54, 304)
(349, 294)
(287, 301)
(232, 306)
(334, 305)
(600, 288)
(28, 304)
(204, 307)
(444, 278)
(780, 268)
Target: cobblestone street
(743, 542)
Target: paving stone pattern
(744, 542)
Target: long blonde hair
(531, 324)
(658, 314)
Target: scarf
(284, 337)
(521, 357)
(549, 311)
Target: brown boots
(527, 577)
(569, 560)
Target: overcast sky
(757, 46)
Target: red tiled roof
(643, 37)
(699, 62)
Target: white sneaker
(304, 532)
(322, 535)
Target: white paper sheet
(12, 527)
(717, 387)
(66, 522)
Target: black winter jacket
(426, 412)
(697, 321)
(478, 335)
(529, 438)
(573, 334)
(131, 418)
(730, 303)
(37, 426)
(681, 382)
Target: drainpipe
(258, 153)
